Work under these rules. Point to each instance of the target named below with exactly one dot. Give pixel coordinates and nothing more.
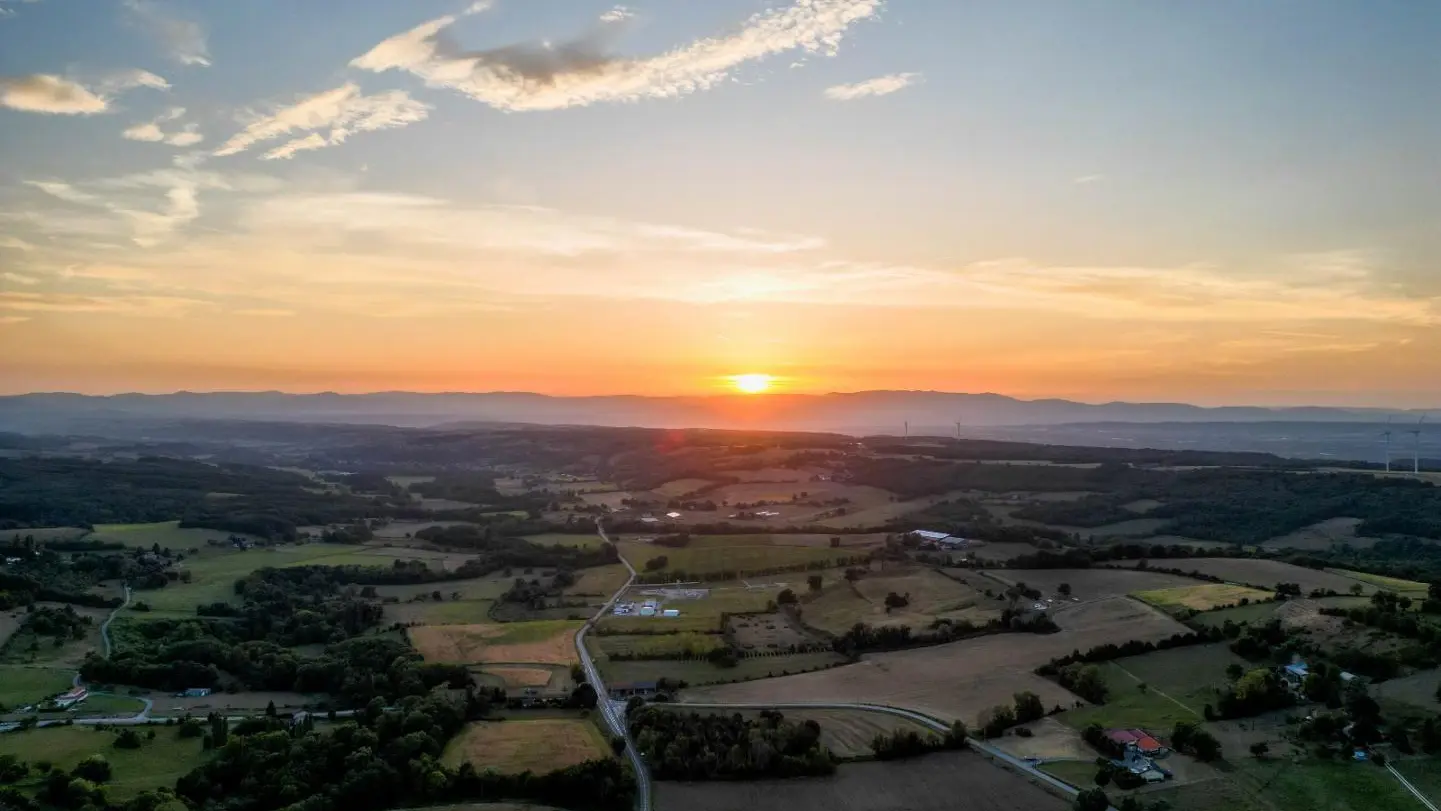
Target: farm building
(625, 690)
(1138, 738)
(71, 697)
(195, 692)
(943, 540)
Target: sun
(752, 383)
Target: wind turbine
(1416, 445)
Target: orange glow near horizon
(752, 383)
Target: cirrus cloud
(581, 72)
(57, 95)
(879, 86)
(153, 132)
(340, 113)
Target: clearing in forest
(539, 746)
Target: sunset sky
(1225, 201)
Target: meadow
(512, 747)
(157, 763)
(700, 673)
(715, 554)
(1155, 690)
(166, 533)
(931, 596)
(21, 686)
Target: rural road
(614, 715)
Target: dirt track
(962, 679)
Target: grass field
(513, 747)
(1329, 785)
(698, 673)
(21, 686)
(480, 588)
(1265, 574)
(446, 612)
(658, 645)
(156, 764)
(522, 676)
(549, 642)
(581, 539)
(932, 596)
(1079, 773)
(599, 581)
(45, 533)
(1410, 588)
(166, 533)
(708, 555)
(1203, 597)
(1178, 685)
(213, 572)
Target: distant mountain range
(867, 412)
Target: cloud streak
(56, 95)
(152, 131)
(183, 40)
(327, 118)
(581, 72)
(879, 86)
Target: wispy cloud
(1085, 179)
(18, 278)
(45, 93)
(183, 40)
(546, 76)
(329, 118)
(120, 305)
(7, 7)
(152, 131)
(879, 86)
(15, 243)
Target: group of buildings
(648, 608)
(939, 540)
(1139, 752)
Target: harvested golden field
(550, 642)
(961, 679)
(521, 676)
(932, 596)
(1049, 739)
(1202, 597)
(932, 783)
(1263, 574)
(541, 746)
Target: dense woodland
(692, 746)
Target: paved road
(614, 713)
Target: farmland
(1178, 683)
(1202, 597)
(582, 539)
(767, 632)
(479, 588)
(166, 533)
(1092, 584)
(1320, 536)
(715, 554)
(1265, 574)
(443, 612)
(213, 572)
(931, 596)
(540, 746)
(549, 642)
(599, 581)
(20, 686)
(1411, 588)
(993, 668)
(847, 733)
(700, 607)
(699, 673)
(930, 783)
(156, 764)
(660, 645)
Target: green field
(1410, 588)
(655, 645)
(44, 533)
(156, 764)
(699, 673)
(586, 539)
(1079, 773)
(213, 572)
(1259, 613)
(1424, 773)
(166, 533)
(107, 704)
(446, 612)
(21, 686)
(479, 588)
(1340, 785)
(1178, 685)
(709, 555)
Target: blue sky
(1217, 201)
